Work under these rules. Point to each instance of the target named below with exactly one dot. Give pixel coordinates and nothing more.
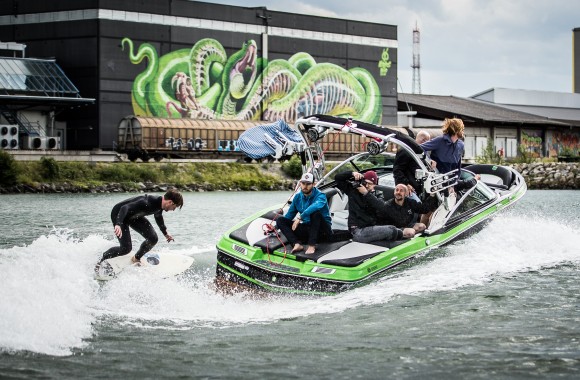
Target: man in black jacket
(131, 213)
(405, 166)
(363, 206)
(403, 211)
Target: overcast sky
(467, 46)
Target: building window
(506, 146)
(474, 146)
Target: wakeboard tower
(254, 253)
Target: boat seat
(336, 200)
(388, 191)
(494, 175)
(350, 255)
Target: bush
(49, 168)
(113, 173)
(293, 167)
(489, 156)
(524, 157)
(8, 168)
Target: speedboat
(254, 253)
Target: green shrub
(49, 168)
(293, 167)
(523, 157)
(489, 155)
(113, 173)
(169, 169)
(143, 173)
(77, 171)
(8, 168)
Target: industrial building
(178, 58)
(71, 72)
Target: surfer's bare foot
(134, 260)
(297, 248)
(311, 249)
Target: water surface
(502, 304)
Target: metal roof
(230, 125)
(26, 80)
(466, 108)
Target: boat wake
(51, 304)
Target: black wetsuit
(131, 213)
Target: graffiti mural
(560, 143)
(203, 82)
(532, 143)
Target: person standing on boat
(405, 166)
(131, 213)
(313, 222)
(447, 150)
(363, 207)
(403, 211)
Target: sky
(467, 46)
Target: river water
(502, 304)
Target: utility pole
(416, 60)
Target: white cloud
(467, 46)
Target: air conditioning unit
(53, 142)
(8, 137)
(34, 142)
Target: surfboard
(161, 265)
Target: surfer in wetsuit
(131, 213)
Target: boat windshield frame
(314, 161)
(355, 163)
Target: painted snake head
(242, 70)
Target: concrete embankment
(551, 175)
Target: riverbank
(550, 175)
(200, 177)
(50, 176)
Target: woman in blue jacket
(447, 149)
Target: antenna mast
(416, 60)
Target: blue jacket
(306, 206)
(446, 153)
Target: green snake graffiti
(203, 82)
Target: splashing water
(51, 304)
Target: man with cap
(313, 222)
(363, 207)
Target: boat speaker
(376, 147)
(316, 133)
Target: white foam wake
(51, 304)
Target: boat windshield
(475, 197)
(362, 162)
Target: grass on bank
(84, 175)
